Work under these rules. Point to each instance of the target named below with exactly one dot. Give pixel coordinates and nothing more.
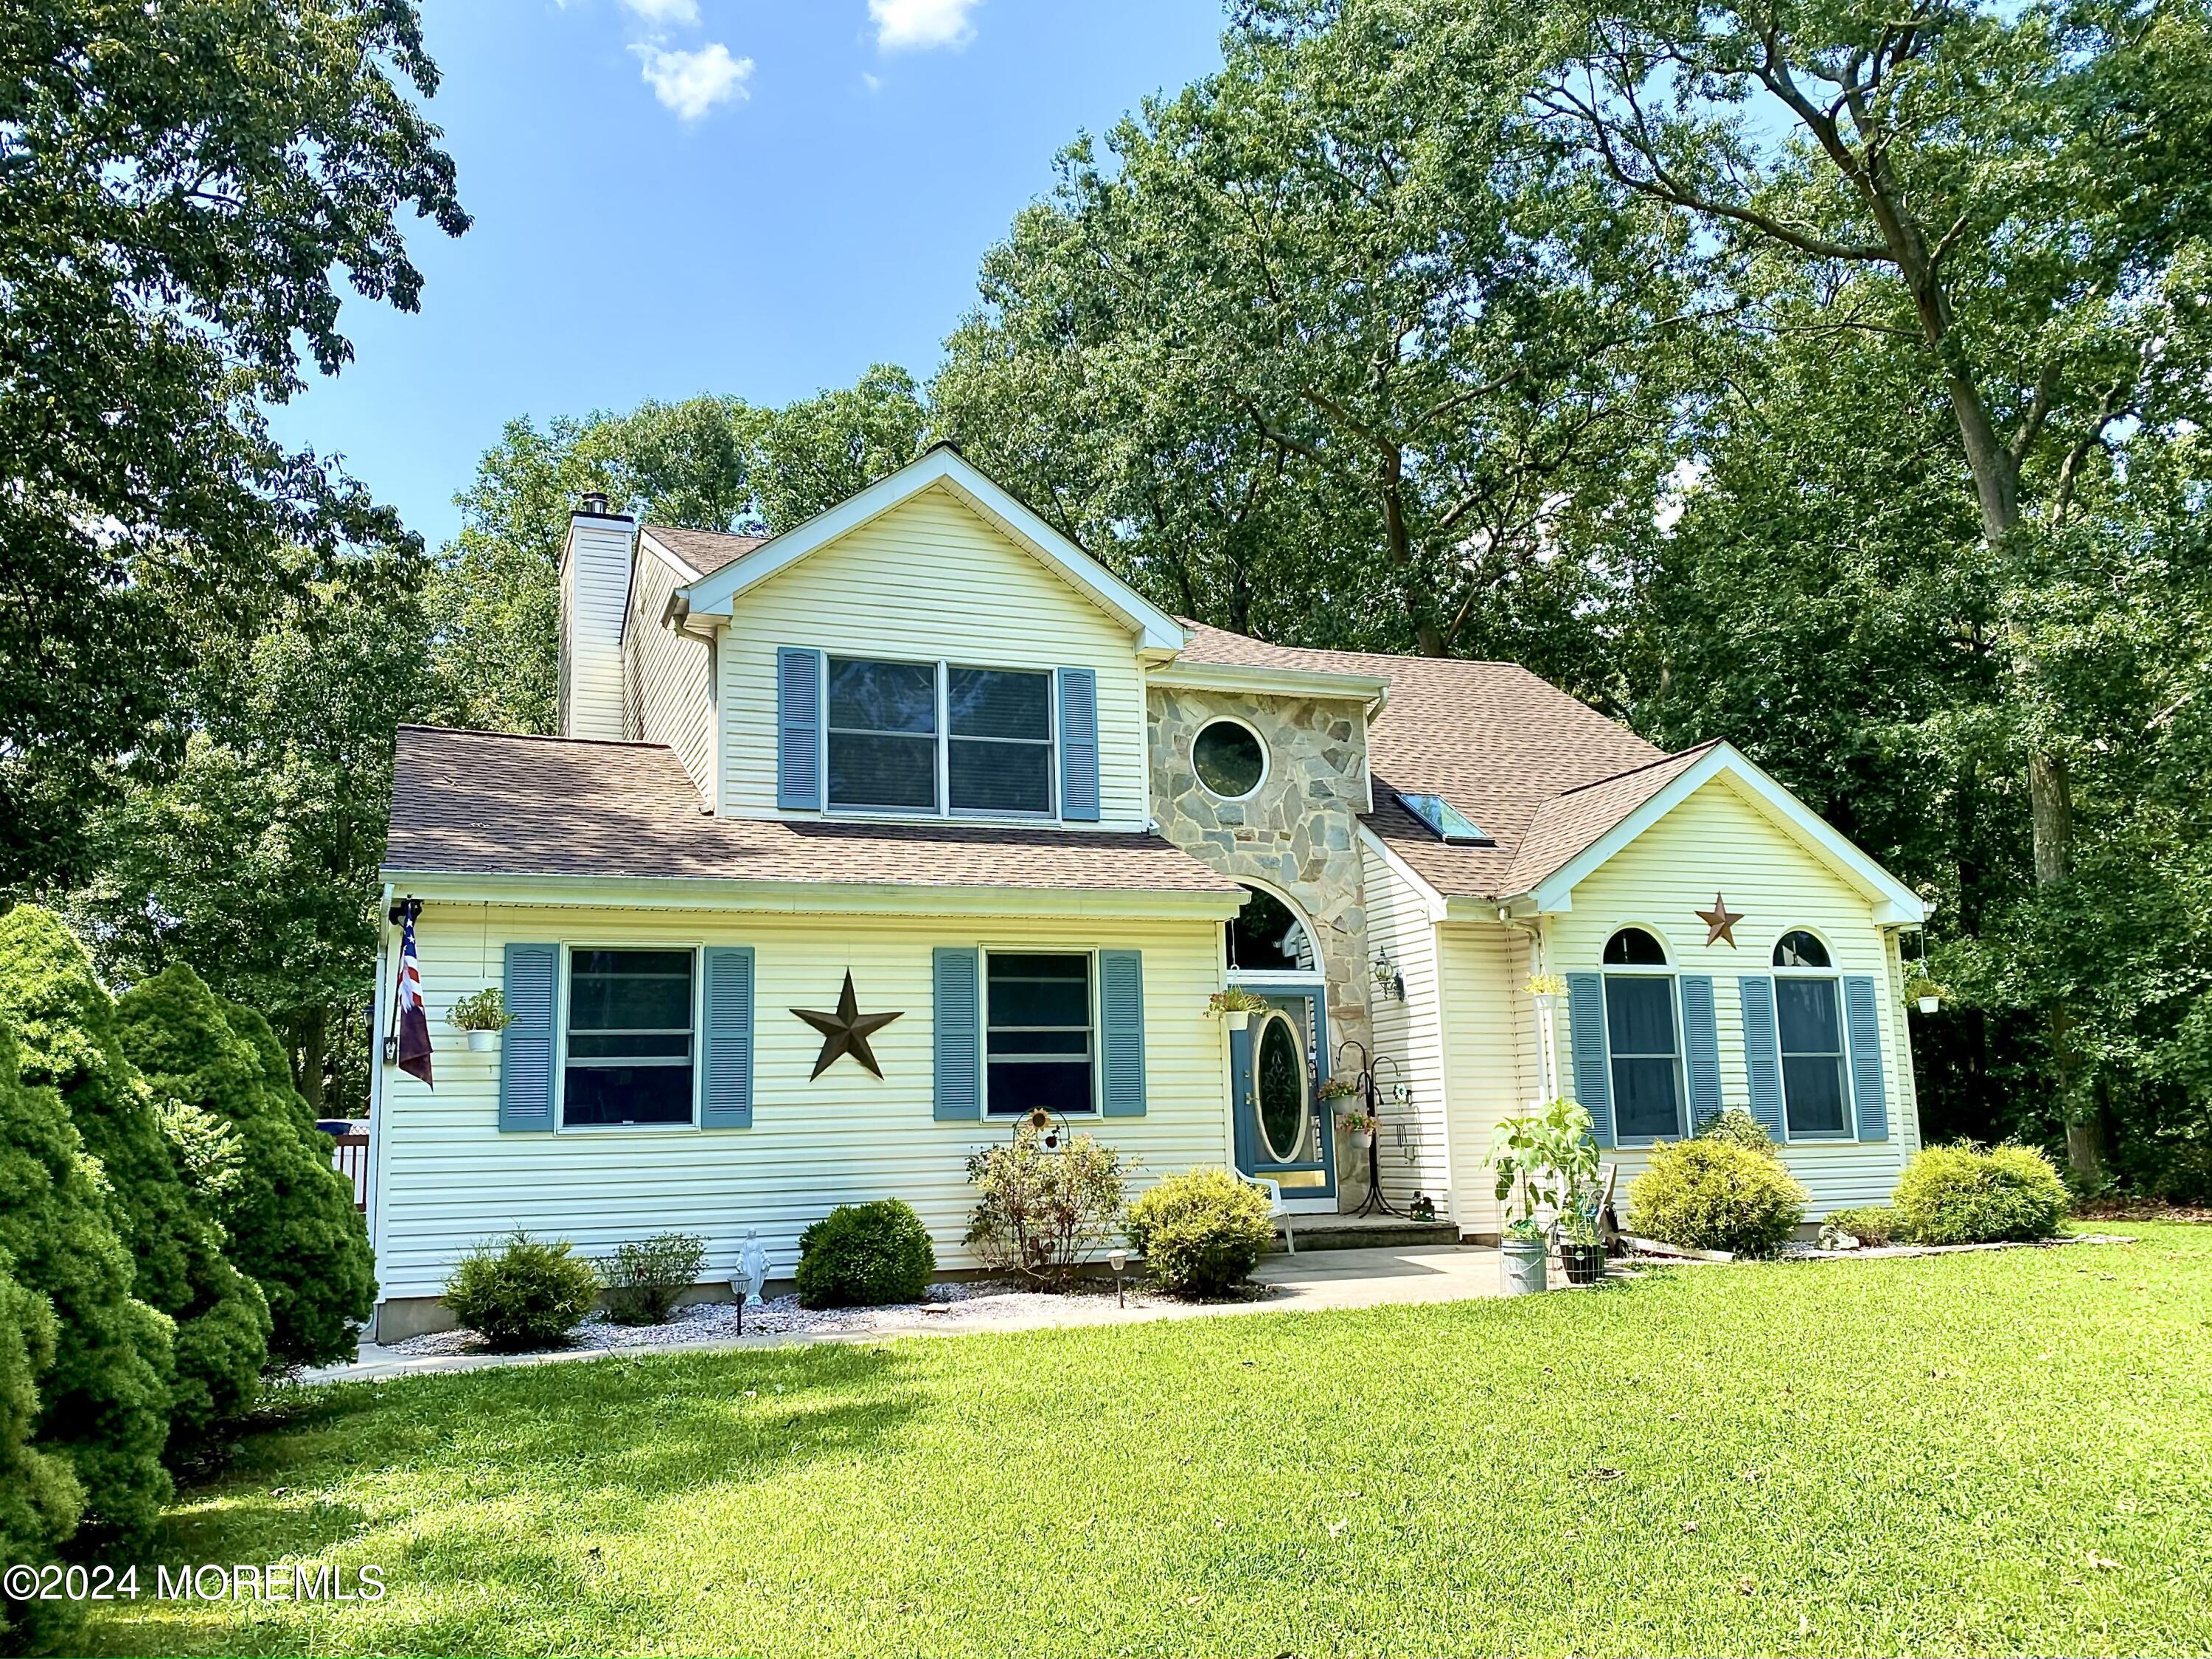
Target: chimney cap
(593, 504)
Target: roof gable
(943, 467)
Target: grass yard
(2008, 1452)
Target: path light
(1117, 1258)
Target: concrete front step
(1382, 1233)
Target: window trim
(696, 950)
(1669, 971)
(1833, 974)
(1267, 758)
(1097, 1014)
(941, 668)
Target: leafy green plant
(484, 1011)
(1876, 1224)
(1706, 1194)
(642, 1279)
(1235, 1000)
(864, 1255)
(1970, 1194)
(523, 1292)
(1040, 1212)
(1201, 1232)
(1541, 1157)
(1740, 1128)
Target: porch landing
(1370, 1232)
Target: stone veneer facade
(1294, 834)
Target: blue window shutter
(1865, 1031)
(525, 1056)
(1121, 1043)
(797, 729)
(1703, 1045)
(1762, 1051)
(957, 1015)
(1593, 1064)
(728, 1103)
(1078, 744)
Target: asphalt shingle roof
(705, 550)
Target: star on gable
(846, 1031)
(1720, 922)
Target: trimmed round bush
(864, 1255)
(523, 1292)
(294, 1229)
(1740, 1128)
(104, 1403)
(39, 1498)
(1200, 1233)
(1968, 1194)
(1709, 1194)
(644, 1278)
(1872, 1223)
(71, 1042)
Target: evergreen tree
(69, 1041)
(39, 1498)
(294, 1228)
(104, 1408)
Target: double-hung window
(1808, 1017)
(1038, 1034)
(1641, 1038)
(631, 1037)
(904, 737)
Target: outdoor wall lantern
(1388, 979)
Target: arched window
(1264, 937)
(1809, 1021)
(1642, 1038)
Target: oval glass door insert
(1279, 1065)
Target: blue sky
(757, 197)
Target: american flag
(414, 1023)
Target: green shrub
(522, 1293)
(1874, 1224)
(864, 1255)
(1968, 1194)
(105, 1402)
(1201, 1232)
(644, 1279)
(1041, 1213)
(1709, 1194)
(39, 1498)
(293, 1226)
(1740, 1128)
(71, 1042)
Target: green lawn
(1988, 1453)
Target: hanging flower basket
(1234, 1007)
(1924, 991)
(483, 1042)
(1547, 989)
(481, 1018)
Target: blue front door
(1277, 1064)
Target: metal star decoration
(1720, 922)
(845, 1032)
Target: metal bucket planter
(1521, 1266)
(1584, 1263)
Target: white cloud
(918, 24)
(665, 11)
(693, 83)
(872, 82)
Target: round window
(1228, 758)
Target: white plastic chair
(1277, 1211)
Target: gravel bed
(977, 1305)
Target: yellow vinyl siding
(1411, 1034)
(1490, 1052)
(928, 581)
(1719, 841)
(447, 1176)
(668, 696)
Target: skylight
(1446, 821)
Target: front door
(1277, 1063)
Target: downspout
(378, 1012)
(1548, 1065)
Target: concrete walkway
(1312, 1282)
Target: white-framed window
(1229, 758)
(1808, 1017)
(630, 1036)
(943, 739)
(1039, 1032)
(1643, 1039)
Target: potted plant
(1541, 1157)
(483, 1016)
(1547, 989)
(1581, 1252)
(1234, 1007)
(1924, 990)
